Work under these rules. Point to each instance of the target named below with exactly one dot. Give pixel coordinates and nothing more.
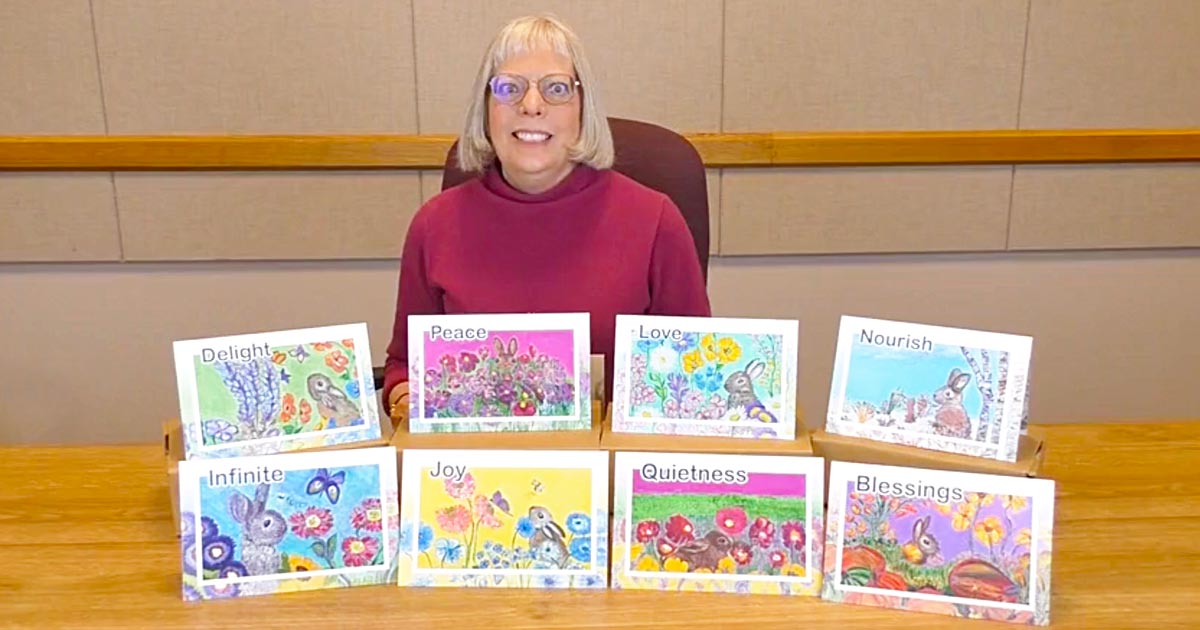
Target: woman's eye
(559, 88)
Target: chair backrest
(655, 157)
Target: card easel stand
(648, 442)
(503, 440)
(1031, 452)
(174, 453)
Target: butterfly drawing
(219, 430)
(300, 353)
(501, 503)
(331, 485)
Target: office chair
(653, 156)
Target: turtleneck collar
(578, 179)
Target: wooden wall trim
(330, 152)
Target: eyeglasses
(556, 89)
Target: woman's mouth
(533, 137)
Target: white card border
(1018, 347)
(383, 457)
(410, 496)
(1040, 492)
(789, 329)
(579, 323)
(186, 350)
(813, 469)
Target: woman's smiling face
(532, 137)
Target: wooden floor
(87, 542)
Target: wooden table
(86, 541)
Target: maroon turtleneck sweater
(598, 242)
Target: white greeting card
(287, 522)
(705, 376)
(509, 519)
(718, 523)
(499, 372)
(274, 392)
(947, 389)
(951, 543)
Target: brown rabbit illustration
(705, 553)
(951, 418)
(506, 356)
(923, 545)
(332, 402)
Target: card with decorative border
(504, 519)
(499, 372)
(730, 377)
(952, 543)
(718, 523)
(275, 392)
(272, 524)
(938, 388)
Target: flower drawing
(501, 381)
(357, 552)
(705, 377)
(313, 522)
(368, 516)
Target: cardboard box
(173, 451)
(1031, 452)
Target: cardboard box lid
(1031, 453)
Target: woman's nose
(532, 104)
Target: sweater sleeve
(676, 280)
(415, 295)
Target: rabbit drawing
(507, 357)
(332, 402)
(951, 418)
(706, 552)
(923, 545)
(742, 396)
(548, 541)
(262, 529)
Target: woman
(548, 227)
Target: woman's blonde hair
(530, 33)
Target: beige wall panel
(1109, 342)
(656, 61)
(281, 216)
(851, 210)
(1110, 332)
(48, 79)
(1082, 207)
(57, 216)
(1112, 63)
(872, 64)
(88, 354)
(431, 184)
(268, 66)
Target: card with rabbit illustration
(504, 519)
(276, 392)
(288, 522)
(731, 377)
(499, 372)
(718, 523)
(933, 387)
(960, 544)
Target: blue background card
(948, 389)
(301, 521)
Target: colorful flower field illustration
(323, 527)
(930, 387)
(510, 379)
(264, 397)
(528, 527)
(759, 536)
(982, 555)
(736, 379)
